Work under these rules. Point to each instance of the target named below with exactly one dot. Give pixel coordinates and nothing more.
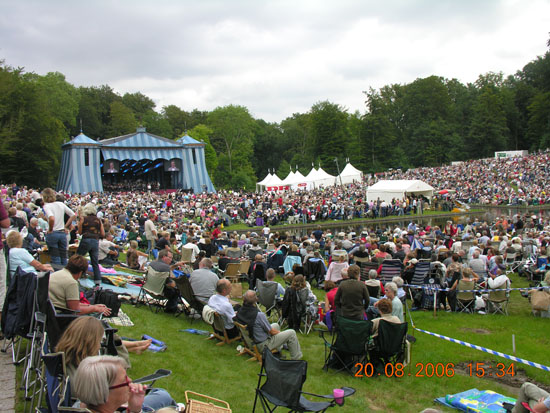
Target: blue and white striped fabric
(76, 177)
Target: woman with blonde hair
(20, 257)
(56, 237)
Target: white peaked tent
(261, 185)
(289, 178)
(323, 179)
(295, 180)
(269, 183)
(398, 189)
(349, 175)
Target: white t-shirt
(57, 210)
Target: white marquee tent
(295, 180)
(321, 178)
(349, 175)
(269, 183)
(398, 189)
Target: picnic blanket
(133, 290)
(121, 320)
(474, 400)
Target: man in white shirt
(220, 303)
(108, 251)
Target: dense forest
(428, 122)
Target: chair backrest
(390, 269)
(465, 285)
(186, 291)
(267, 293)
(218, 322)
(41, 292)
(155, 281)
(352, 336)
(359, 260)
(58, 393)
(499, 296)
(366, 267)
(244, 267)
(247, 340)
(510, 258)
(56, 324)
(290, 260)
(374, 291)
(391, 337)
(284, 378)
(186, 254)
(421, 269)
(232, 270)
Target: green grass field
(201, 366)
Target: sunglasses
(117, 386)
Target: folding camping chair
(348, 345)
(243, 270)
(510, 263)
(296, 312)
(465, 299)
(249, 347)
(390, 345)
(186, 255)
(267, 296)
(366, 267)
(315, 270)
(218, 330)
(390, 269)
(497, 301)
(290, 260)
(152, 292)
(283, 384)
(188, 299)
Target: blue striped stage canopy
(80, 162)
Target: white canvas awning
(398, 189)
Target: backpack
(110, 299)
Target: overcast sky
(274, 57)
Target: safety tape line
(486, 350)
(480, 348)
(428, 287)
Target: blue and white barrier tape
(486, 350)
(480, 348)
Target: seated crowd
(353, 279)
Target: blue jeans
(57, 247)
(157, 399)
(91, 246)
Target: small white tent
(349, 175)
(398, 189)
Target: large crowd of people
(148, 223)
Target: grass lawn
(201, 366)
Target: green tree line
(430, 121)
